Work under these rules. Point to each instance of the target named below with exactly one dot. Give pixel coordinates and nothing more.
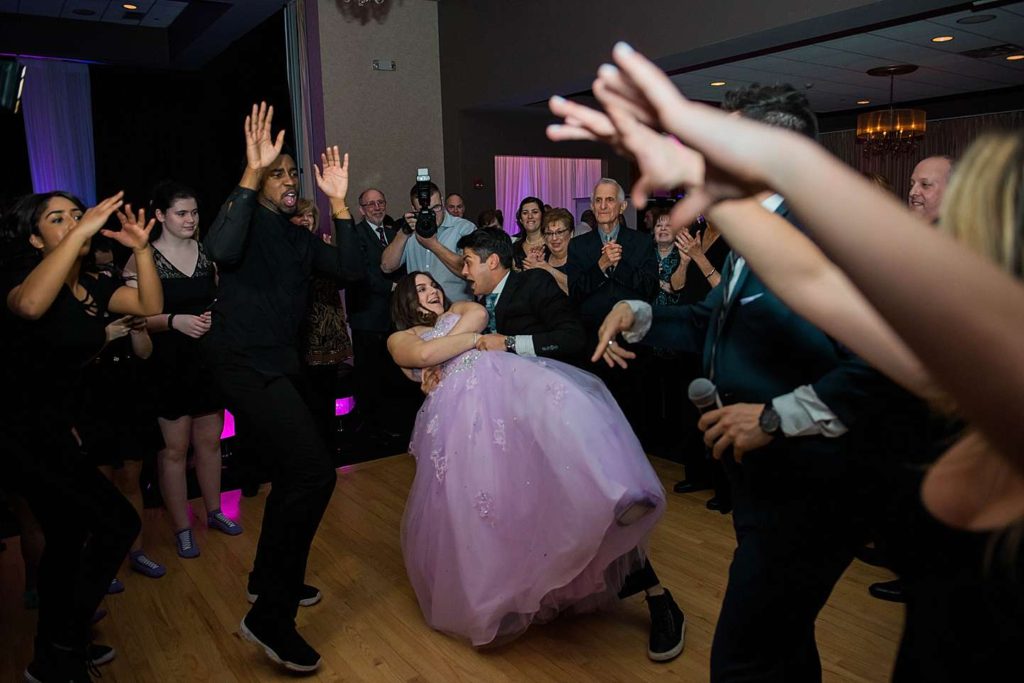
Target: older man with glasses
(437, 255)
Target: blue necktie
(489, 301)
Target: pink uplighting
(342, 406)
(229, 503)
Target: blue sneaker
(115, 586)
(221, 522)
(141, 563)
(187, 547)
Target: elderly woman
(557, 231)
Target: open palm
(260, 148)
(333, 179)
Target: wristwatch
(769, 421)
(510, 343)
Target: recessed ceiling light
(129, 6)
(717, 84)
(976, 19)
(1014, 58)
(863, 101)
(942, 39)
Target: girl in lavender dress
(532, 494)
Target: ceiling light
(942, 39)
(1014, 58)
(976, 19)
(863, 101)
(129, 6)
(891, 131)
(717, 84)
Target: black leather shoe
(888, 590)
(687, 486)
(717, 504)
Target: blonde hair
(983, 205)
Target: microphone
(704, 395)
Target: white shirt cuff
(803, 413)
(524, 345)
(643, 316)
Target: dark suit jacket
(368, 298)
(592, 292)
(533, 303)
(755, 348)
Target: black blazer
(533, 303)
(592, 292)
(755, 348)
(367, 299)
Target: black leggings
(274, 412)
(88, 525)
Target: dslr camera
(426, 223)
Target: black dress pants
(385, 398)
(797, 526)
(274, 411)
(88, 525)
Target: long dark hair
(405, 303)
(163, 195)
(21, 222)
(528, 200)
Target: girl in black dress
(188, 409)
(54, 323)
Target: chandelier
(891, 131)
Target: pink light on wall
(342, 406)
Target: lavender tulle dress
(522, 467)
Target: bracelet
(708, 275)
(343, 209)
(170, 321)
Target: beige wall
(388, 121)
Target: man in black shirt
(265, 266)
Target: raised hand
(689, 247)
(260, 148)
(333, 180)
(96, 217)
(134, 232)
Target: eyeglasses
(557, 233)
(375, 203)
(437, 207)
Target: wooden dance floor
(184, 627)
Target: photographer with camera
(433, 249)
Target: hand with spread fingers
(134, 232)
(260, 147)
(332, 176)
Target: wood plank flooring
(184, 627)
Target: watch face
(769, 421)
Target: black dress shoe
(719, 505)
(888, 590)
(687, 486)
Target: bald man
(928, 185)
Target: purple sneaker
(141, 563)
(187, 547)
(221, 522)
(115, 586)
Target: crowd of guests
(827, 408)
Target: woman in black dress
(54, 323)
(189, 410)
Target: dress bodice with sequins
(446, 322)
